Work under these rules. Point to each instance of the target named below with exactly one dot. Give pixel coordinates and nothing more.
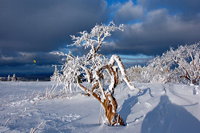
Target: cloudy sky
(32, 29)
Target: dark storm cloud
(39, 26)
(186, 8)
(158, 28)
(21, 58)
(35, 25)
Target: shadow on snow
(130, 102)
(167, 117)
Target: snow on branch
(95, 38)
(89, 71)
(180, 65)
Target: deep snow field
(160, 108)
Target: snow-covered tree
(181, 65)
(93, 67)
(159, 70)
(148, 74)
(8, 78)
(14, 78)
(71, 73)
(56, 76)
(188, 60)
(184, 62)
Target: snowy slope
(160, 108)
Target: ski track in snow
(158, 108)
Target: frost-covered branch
(180, 65)
(95, 38)
(89, 71)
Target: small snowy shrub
(148, 74)
(56, 75)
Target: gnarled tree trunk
(109, 105)
(110, 109)
(106, 95)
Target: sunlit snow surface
(160, 108)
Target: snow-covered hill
(160, 108)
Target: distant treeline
(26, 77)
